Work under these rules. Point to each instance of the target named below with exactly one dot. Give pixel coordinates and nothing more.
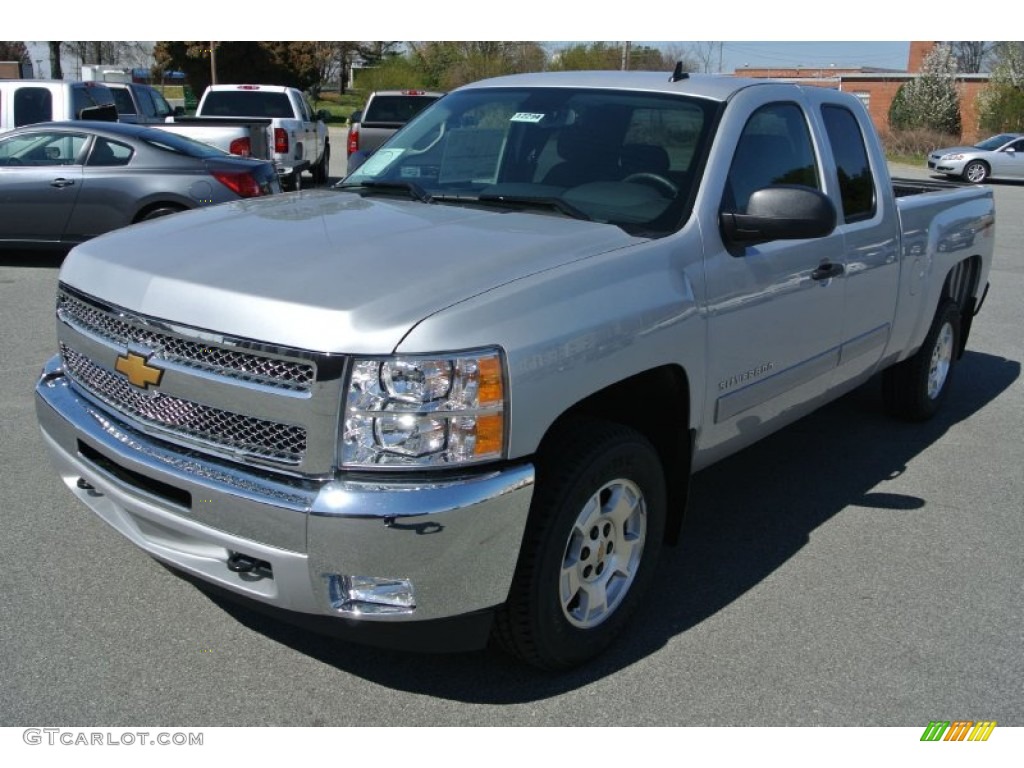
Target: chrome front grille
(243, 365)
(234, 433)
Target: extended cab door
(774, 309)
(310, 147)
(869, 225)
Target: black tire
(976, 171)
(163, 210)
(292, 182)
(916, 388)
(590, 470)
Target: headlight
(952, 157)
(419, 412)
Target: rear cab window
(123, 101)
(856, 182)
(32, 105)
(247, 103)
(395, 110)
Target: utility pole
(213, 63)
(625, 55)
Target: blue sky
(890, 55)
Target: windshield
(996, 141)
(624, 158)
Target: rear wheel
(915, 388)
(292, 182)
(975, 171)
(590, 548)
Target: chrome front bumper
(457, 541)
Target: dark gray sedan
(62, 183)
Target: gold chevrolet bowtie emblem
(138, 371)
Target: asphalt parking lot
(849, 570)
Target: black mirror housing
(783, 212)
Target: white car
(1000, 157)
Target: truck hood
(324, 270)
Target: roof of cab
(716, 87)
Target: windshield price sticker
(527, 117)
(379, 161)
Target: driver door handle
(61, 182)
(827, 271)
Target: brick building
(877, 87)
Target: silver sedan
(1000, 157)
(63, 183)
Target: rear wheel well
(655, 403)
(962, 287)
(152, 208)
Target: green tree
(603, 55)
(14, 50)
(1001, 103)
(292, 63)
(587, 56)
(931, 100)
(447, 65)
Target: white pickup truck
(24, 102)
(462, 394)
(298, 135)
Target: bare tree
(707, 55)
(119, 52)
(972, 55)
(56, 71)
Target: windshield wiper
(415, 190)
(542, 201)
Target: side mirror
(179, 111)
(355, 117)
(780, 212)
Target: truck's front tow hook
(240, 563)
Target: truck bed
(907, 187)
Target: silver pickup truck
(384, 113)
(461, 395)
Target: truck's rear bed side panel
(939, 229)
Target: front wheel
(915, 388)
(975, 172)
(590, 547)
